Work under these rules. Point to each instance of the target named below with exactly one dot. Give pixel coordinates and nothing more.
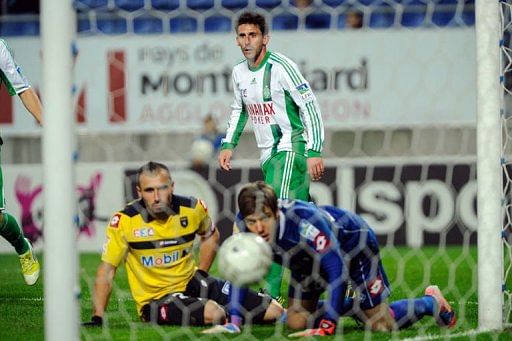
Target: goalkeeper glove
(96, 321)
(229, 328)
(325, 328)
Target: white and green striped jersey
(10, 73)
(279, 102)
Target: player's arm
(303, 96)
(208, 247)
(236, 124)
(114, 251)
(103, 287)
(17, 83)
(209, 237)
(32, 103)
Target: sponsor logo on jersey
(321, 242)
(184, 221)
(376, 286)
(160, 260)
(304, 91)
(307, 230)
(243, 93)
(253, 80)
(144, 232)
(114, 222)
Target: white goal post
(60, 251)
(490, 247)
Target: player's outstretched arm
(102, 290)
(33, 104)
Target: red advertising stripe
(80, 107)
(6, 115)
(117, 89)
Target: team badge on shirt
(114, 222)
(376, 286)
(184, 221)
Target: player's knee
(1, 218)
(274, 311)
(213, 313)
(379, 319)
(296, 320)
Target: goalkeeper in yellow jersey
(154, 236)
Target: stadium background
(400, 129)
(147, 72)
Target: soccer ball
(244, 258)
(201, 152)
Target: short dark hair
(152, 167)
(253, 19)
(254, 197)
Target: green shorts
(287, 173)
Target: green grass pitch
(453, 269)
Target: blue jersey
(326, 247)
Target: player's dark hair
(254, 196)
(152, 167)
(252, 19)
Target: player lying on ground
(326, 248)
(154, 236)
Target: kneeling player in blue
(326, 248)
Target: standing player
(325, 248)
(12, 77)
(270, 91)
(154, 237)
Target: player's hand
(225, 159)
(228, 328)
(96, 321)
(325, 328)
(315, 168)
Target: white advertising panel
(168, 83)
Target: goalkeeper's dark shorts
(187, 308)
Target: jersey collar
(263, 62)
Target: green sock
(273, 279)
(11, 231)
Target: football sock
(235, 309)
(408, 311)
(273, 280)
(11, 231)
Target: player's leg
(300, 313)
(256, 308)
(303, 303)
(369, 277)
(286, 173)
(180, 309)
(11, 231)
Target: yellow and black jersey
(157, 253)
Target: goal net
(398, 99)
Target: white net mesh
(505, 8)
(413, 180)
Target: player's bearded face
(252, 42)
(262, 223)
(156, 191)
